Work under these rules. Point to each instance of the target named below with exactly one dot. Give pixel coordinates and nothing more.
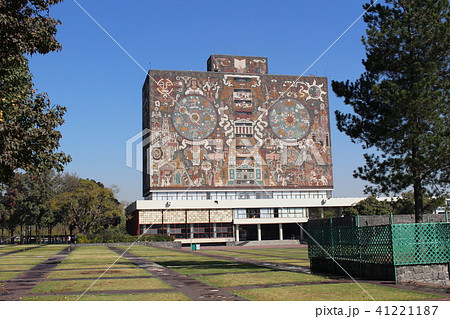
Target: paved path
(20, 286)
(187, 285)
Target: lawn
(335, 292)
(14, 264)
(175, 296)
(273, 277)
(84, 265)
(102, 284)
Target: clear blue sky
(101, 86)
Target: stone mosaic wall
(237, 64)
(206, 130)
(436, 274)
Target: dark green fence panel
(393, 244)
(376, 244)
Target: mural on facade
(231, 130)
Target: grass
(273, 277)
(175, 296)
(334, 292)
(220, 268)
(10, 248)
(102, 284)
(8, 275)
(94, 257)
(88, 263)
(95, 273)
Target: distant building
(233, 153)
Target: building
(233, 153)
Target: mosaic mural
(237, 64)
(235, 130)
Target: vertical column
(259, 231)
(214, 230)
(237, 233)
(301, 231)
(281, 231)
(192, 231)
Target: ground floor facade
(228, 220)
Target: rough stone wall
(437, 274)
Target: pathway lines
(18, 249)
(189, 286)
(20, 286)
(278, 266)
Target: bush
(118, 235)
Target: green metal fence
(393, 244)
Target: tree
(405, 204)
(400, 102)
(90, 206)
(27, 28)
(369, 206)
(28, 122)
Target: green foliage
(26, 27)
(116, 235)
(400, 104)
(89, 207)
(29, 139)
(405, 204)
(369, 206)
(50, 199)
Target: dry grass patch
(175, 296)
(86, 273)
(102, 284)
(272, 277)
(220, 268)
(7, 275)
(332, 292)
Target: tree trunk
(21, 233)
(418, 201)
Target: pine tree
(400, 103)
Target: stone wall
(437, 274)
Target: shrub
(117, 235)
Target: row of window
(186, 231)
(289, 212)
(239, 195)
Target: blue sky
(101, 85)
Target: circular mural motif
(157, 153)
(289, 120)
(194, 117)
